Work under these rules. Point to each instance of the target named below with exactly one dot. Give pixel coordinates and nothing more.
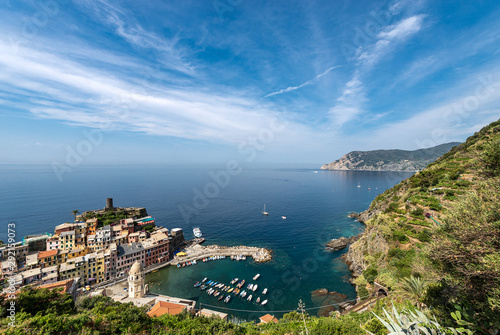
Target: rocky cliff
(389, 160)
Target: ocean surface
(227, 208)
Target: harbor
(197, 252)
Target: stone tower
(136, 281)
(109, 204)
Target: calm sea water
(316, 204)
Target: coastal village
(109, 251)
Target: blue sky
(304, 82)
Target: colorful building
(67, 240)
(91, 226)
(47, 258)
(52, 242)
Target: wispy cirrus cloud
(167, 50)
(351, 104)
(388, 39)
(309, 82)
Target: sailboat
(264, 211)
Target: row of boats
(179, 265)
(207, 259)
(239, 258)
(220, 290)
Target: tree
(75, 212)
(415, 286)
(491, 158)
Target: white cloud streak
(309, 82)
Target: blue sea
(226, 205)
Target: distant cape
(389, 160)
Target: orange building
(163, 307)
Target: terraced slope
(441, 225)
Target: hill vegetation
(435, 237)
(389, 160)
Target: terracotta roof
(163, 307)
(268, 318)
(48, 253)
(65, 284)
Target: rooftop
(209, 313)
(48, 253)
(268, 318)
(125, 250)
(163, 307)
(66, 233)
(65, 225)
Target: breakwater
(198, 252)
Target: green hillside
(390, 160)
(435, 237)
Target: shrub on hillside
(399, 236)
(370, 274)
(491, 158)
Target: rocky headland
(389, 160)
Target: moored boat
(249, 298)
(264, 302)
(197, 232)
(254, 288)
(228, 298)
(258, 300)
(221, 297)
(256, 276)
(265, 291)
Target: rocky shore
(323, 297)
(341, 243)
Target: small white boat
(256, 276)
(249, 298)
(197, 232)
(265, 291)
(255, 287)
(264, 211)
(250, 286)
(264, 302)
(258, 300)
(283, 217)
(244, 294)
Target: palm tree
(75, 212)
(415, 286)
